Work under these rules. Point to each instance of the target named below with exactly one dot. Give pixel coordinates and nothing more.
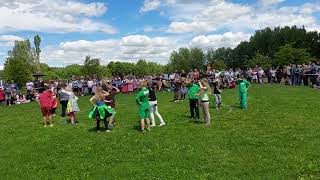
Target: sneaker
(108, 131)
(44, 125)
(153, 125)
(51, 125)
(143, 131)
(162, 124)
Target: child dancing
(100, 111)
(193, 99)
(217, 93)
(154, 105)
(243, 88)
(204, 93)
(142, 100)
(45, 102)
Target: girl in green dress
(100, 111)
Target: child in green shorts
(142, 100)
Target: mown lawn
(278, 137)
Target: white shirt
(29, 86)
(90, 84)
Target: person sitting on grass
(21, 99)
(45, 102)
(243, 88)
(142, 100)
(100, 111)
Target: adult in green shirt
(142, 100)
(193, 99)
(243, 88)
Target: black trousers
(194, 108)
(63, 108)
(29, 93)
(90, 91)
(105, 124)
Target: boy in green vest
(193, 89)
(243, 88)
(142, 100)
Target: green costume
(101, 111)
(142, 100)
(243, 85)
(192, 91)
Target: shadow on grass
(94, 129)
(137, 128)
(235, 106)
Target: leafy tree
(287, 54)
(219, 64)
(72, 70)
(18, 65)
(37, 41)
(219, 55)
(197, 59)
(260, 60)
(91, 67)
(1, 74)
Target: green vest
(142, 97)
(192, 91)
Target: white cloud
(52, 16)
(309, 8)
(129, 48)
(271, 2)
(216, 15)
(1, 67)
(8, 40)
(216, 41)
(148, 29)
(207, 18)
(150, 5)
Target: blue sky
(127, 30)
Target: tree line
(278, 46)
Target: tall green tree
(288, 54)
(91, 66)
(19, 63)
(259, 60)
(197, 59)
(37, 41)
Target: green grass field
(278, 137)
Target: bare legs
(142, 124)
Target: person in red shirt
(45, 102)
(2, 96)
(195, 75)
